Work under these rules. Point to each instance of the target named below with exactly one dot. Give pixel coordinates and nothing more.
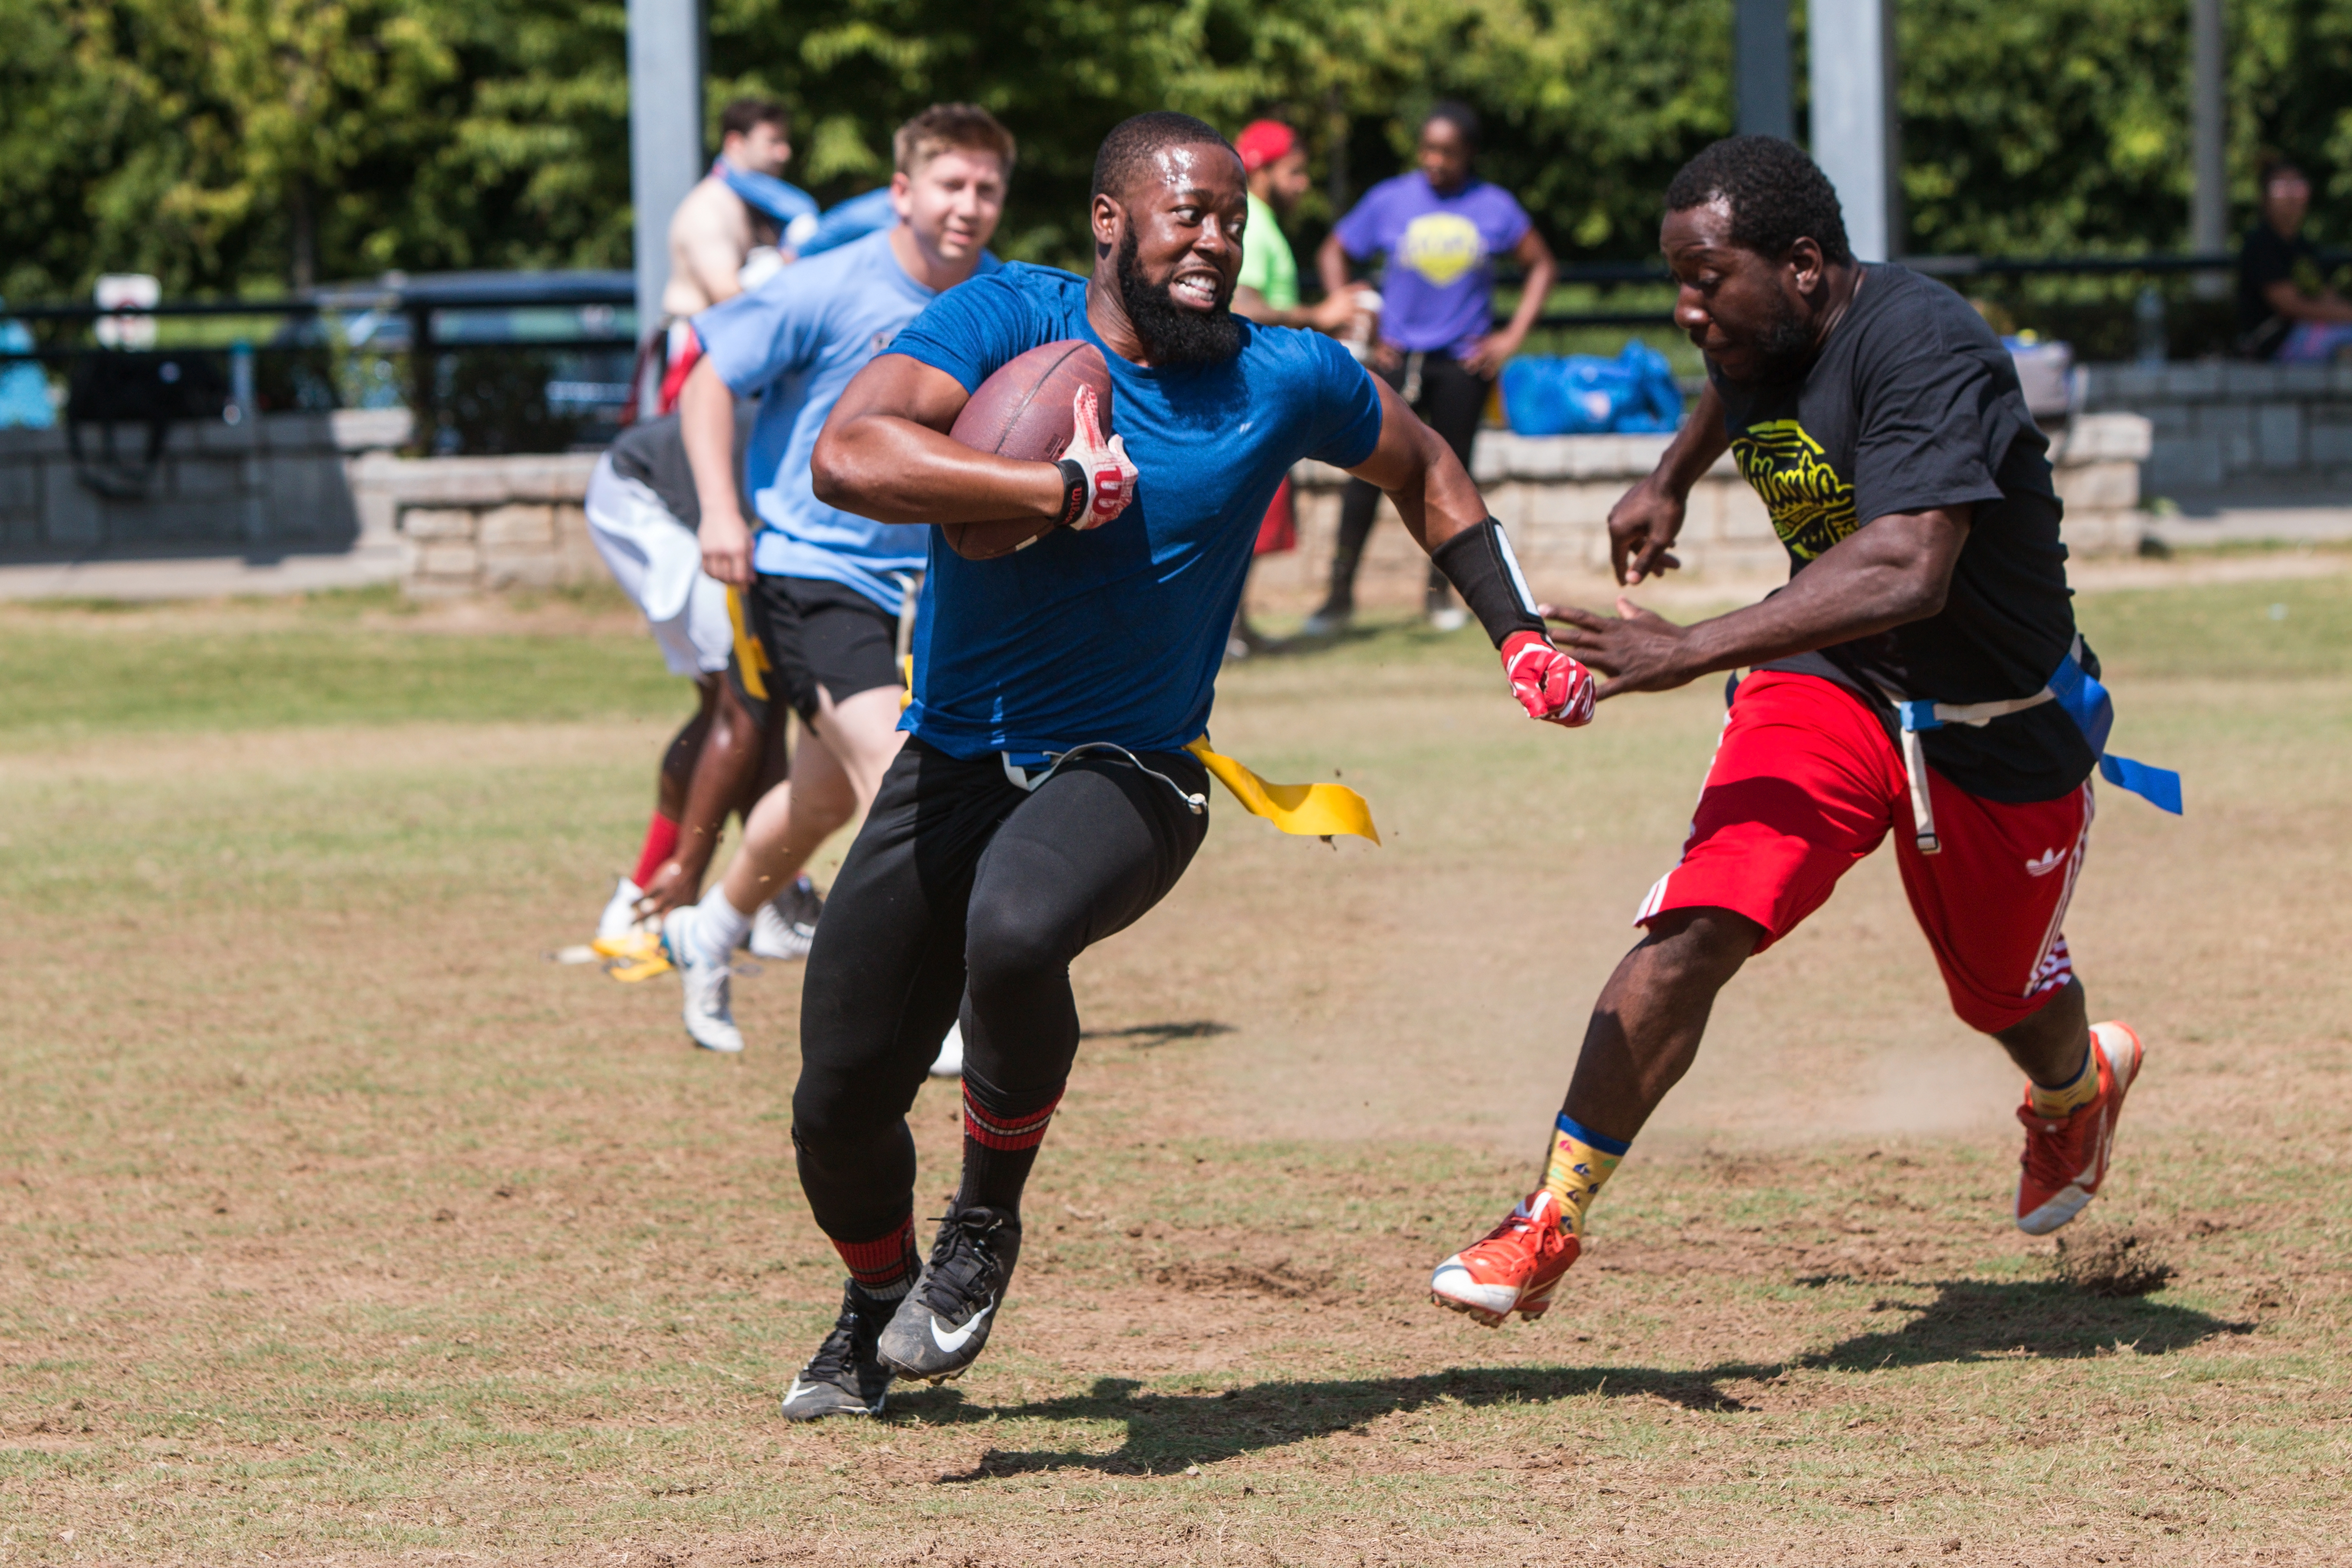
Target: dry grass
(344, 1229)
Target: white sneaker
(785, 926)
(951, 1059)
(1452, 619)
(620, 916)
(710, 1009)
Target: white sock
(718, 925)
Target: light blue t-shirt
(1115, 633)
(801, 336)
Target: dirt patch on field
(344, 1228)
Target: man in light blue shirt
(819, 593)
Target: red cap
(1262, 142)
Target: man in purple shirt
(1440, 229)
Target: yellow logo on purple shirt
(1441, 246)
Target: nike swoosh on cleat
(800, 1388)
(955, 1341)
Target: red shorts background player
(1881, 422)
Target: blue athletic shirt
(1115, 633)
(802, 336)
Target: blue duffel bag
(1583, 394)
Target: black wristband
(1074, 490)
(1479, 563)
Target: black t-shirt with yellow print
(1912, 404)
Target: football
(1024, 411)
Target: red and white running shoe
(2066, 1159)
(1513, 1269)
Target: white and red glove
(1548, 684)
(1110, 475)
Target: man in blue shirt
(1045, 797)
(819, 595)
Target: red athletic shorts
(1806, 781)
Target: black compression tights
(1451, 403)
(963, 889)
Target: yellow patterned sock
(2067, 1097)
(1581, 1161)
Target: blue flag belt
(2076, 691)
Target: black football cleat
(940, 1327)
(843, 1378)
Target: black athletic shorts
(811, 635)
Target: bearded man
(1044, 797)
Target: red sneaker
(1513, 1269)
(2065, 1160)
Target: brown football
(1024, 411)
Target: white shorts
(657, 561)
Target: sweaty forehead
(1175, 168)
(1707, 225)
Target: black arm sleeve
(1479, 563)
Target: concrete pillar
(2208, 207)
(1760, 81)
(1856, 138)
(664, 141)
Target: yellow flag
(1311, 810)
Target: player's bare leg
(670, 791)
(734, 766)
(1643, 1038)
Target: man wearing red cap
(1267, 293)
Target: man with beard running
(1045, 797)
(1920, 674)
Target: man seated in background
(2287, 307)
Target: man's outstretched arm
(1895, 570)
(1447, 516)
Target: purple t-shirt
(1439, 288)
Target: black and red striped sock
(1000, 1144)
(885, 1267)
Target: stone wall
(468, 525)
(2233, 432)
(276, 484)
(1553, 493)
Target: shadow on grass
(1149, 1034)
(1967, 1320)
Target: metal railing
(420, 322)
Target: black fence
(485, 363)
(492, 362)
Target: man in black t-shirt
(2287, 307)
(1881, 423)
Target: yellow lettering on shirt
(1811, 506)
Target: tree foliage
(240, 144)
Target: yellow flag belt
(1311, 810)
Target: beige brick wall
(474, 525)
(1554, 496)
(470, 525)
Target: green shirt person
(1268, 292)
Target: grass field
(343, 1228)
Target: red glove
(1110, 477)
(1548, 684)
